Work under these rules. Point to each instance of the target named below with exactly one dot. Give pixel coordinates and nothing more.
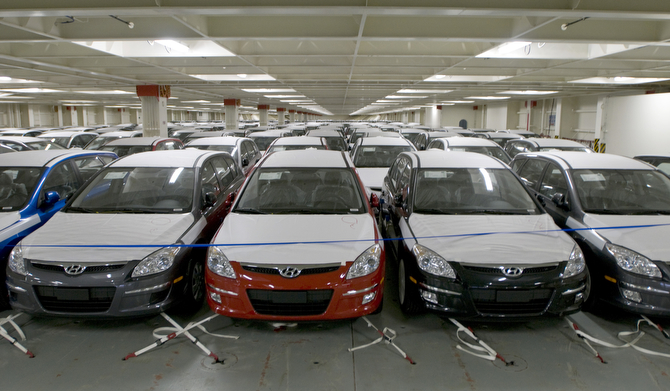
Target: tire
(194, 292)
(407, 297)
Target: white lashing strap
(482, 351)
(5, 334)
(165, 331)
(388, 335)
(627, 344)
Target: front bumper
(324, 296)
(483, 294)
(104, 292)
(635, 294)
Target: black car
(618, 210)
(471, 241)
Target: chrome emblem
(512, 271)
(74, 270)
(290, 272)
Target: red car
(299, 244)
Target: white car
(373, 156)
(243, 150)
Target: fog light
(215, 297)
(369, 297)
(579, 297)
(632, 295)
(429, 296)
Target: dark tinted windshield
(471, 191)
(378, 155)
(302, 191)
(489, 151)
(622, 191)
(123, 150)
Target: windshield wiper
(604, 211)
(80, 210)
(497, 211)
(648, 212)
(250, 211)
(434, 211)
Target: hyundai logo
(74, 270)
(512, 271)
(289, 272)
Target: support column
(263, 114)
(404, 117)
(82, 113)
(291, 116)
(154, 109)
(281, 120)
(70, 116)
(232, 114)
(599, 139)
(557, 118)
(59, 115)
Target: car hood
(8, 218)
(373, 177)
(260, 238)
(647, 235)
(86, 229)
(493, 239)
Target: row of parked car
(306, 236)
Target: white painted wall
(636, 125)
(451, 115)
(496, 116)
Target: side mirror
(210, 199)
(245, 162)
(560, 200)
(397, 200)
(50, 199)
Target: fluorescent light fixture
(439, 76)
(69, 102)
(297, 101)
(527, 92)
(392, 101)
(384, 104)
(471, 78)
(504, 49)
(618, 80)
(458, 101)
(212, 104)
(104, 92)
(5, 78)
(195, 101)
(405, 97)
(487, 97)
(242, 75)
(284, 96)
(411, 91)
(31, 90)
(447, 104)
(238, 77)
(168, 43)
(268, 90)
(143, 48)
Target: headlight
(430, 262)
(219, 264)
(575, 264)
(157, 262)
(16, 262)
(366, 263)
(633, 262)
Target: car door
(62, 179)
(398, 191)
(553, 194)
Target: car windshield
(471, 191)
(489, 151)
(336, 143)
(16, 186)
(411, 136)
(378, 155)
(573, 149)
(137, 190)
(224, 148)
(43, 145)
(302, 191)
(609, 191)
(98, 142)
(264, 142)
(277, 148)
(62, 141)
(123, 150)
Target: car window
(532, 171)
(167, 146)
(224, 171)
(208, 181)
(515, 147)
(88, 166)
(16, 186)
(378, 155)
(15, 146)
(437, 144)
(665, 167)
(553, 181)
(61, 179)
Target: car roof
(468, 142)
(62, 134)
(138, 141)
(172, 158)
(121, 133)
(324, 133)
(21, 139)
(502, 135)
(302, 140)
(554, 142)
(456, 159)
(224, 140)
(581, 160)
(385, 141)
(43, 158)
(307, 158)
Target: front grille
(89, 269)
(303, 272)
(290, 303)
(511, 301)
(75, 300)
(498, 271)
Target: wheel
(408, 298)
(194, 292)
